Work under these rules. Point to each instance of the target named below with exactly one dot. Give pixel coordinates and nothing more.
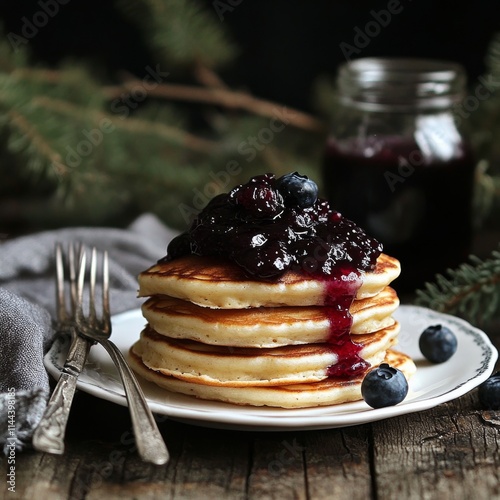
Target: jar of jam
(399, 165)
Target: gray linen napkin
(27, 304)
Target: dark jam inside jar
(269, 226)
(418, 207)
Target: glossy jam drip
(265, 232)
(341, 288)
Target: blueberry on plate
(489, 392)
(437, 343)
(384, 386)
(297, 189)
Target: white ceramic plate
(433, 384)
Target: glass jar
(398, 164)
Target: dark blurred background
(285, 49)
(284, 44)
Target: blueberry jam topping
(268, 226)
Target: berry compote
(269, 226)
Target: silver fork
(149, 442)
(49, 434)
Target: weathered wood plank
(338, 463)
(277, 470)
(212, 461)
(37, 476)
(447, 452)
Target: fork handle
(149, 441)
(49, 434)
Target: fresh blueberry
(298, 189)
(384, 386)
(489, 393)
(437, 343)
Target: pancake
(283, 304)
(264, 326)
(220, 365)
(212, 282)
(326, 392)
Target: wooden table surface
(451, 451)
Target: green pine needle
(493, 58)
(180, 32)
(471, 291)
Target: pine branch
(486, 193)
(217, 94)
(149, 161)
(231, 99)
(493, 58)
(73, 82)
(174, 135)
(10, 59)
(207, 77)
(40, 143)
(472, 290)
(180, 32)
(37, 139)
(44, 75)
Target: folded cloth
(27, 305)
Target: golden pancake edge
(330, 391)
(242, 367)
(212, 282)
(263, 326)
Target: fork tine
(60, 302)
(106, 315)
(71, 255)
(72, 272)
(93, 270)
(79, 287)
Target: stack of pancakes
(216, 334)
